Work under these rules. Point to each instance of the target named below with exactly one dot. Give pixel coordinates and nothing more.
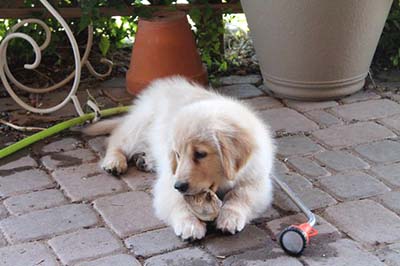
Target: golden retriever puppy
(195, 139)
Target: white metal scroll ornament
(6, 75)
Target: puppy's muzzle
(181, 186)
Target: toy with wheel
(295, 238)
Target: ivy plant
(388, 51)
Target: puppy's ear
(236, 148)
(173, 162)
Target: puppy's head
(208, 156)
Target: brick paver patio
(342, 157)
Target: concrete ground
(341, 157)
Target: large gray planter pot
(315, 49)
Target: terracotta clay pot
(164, 46)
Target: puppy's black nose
(181, 186)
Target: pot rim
(164, 17)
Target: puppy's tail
(102, 128)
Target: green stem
(58, 128)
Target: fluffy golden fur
(195, 139)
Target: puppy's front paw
(115, 165)
(190, 228)
(231, 221)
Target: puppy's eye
(199, 155)
(177, 155)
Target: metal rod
(296, 200)
(8, 78)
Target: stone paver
(281, 261)
(296, 145)
(119, 94)
(98, 144)
(354, 185)
(241, 91)
(85, 245)
(3, 241)
(309, 106)
(251, 237)
(3, 211)
(266, 90)
(86, 182)
(340, 160)
(34, 201)
(154, 242)
(307, 166)
(392, 96)
(390, 255)
(391, 200)
(365, 221)
(65, 144)
(6, 104)
(392, 122)
(128, 213)
(68, 158)
(340, 157)
(25, 161)
(270, 251)
(270, 214)
(24, 181)
(55, 97)
(323, 118)
(343, 252)
(280, 167)
(105, 102)
(27, 254)
(361, 96)
(367, 110)
(115, 260)
(138, 180)
(386, 151)
(313, 198)
(350, 135)
(263, 103)
(388, 173)
(235, 79)
(115, 82)
(287, 120)
(183, 257)
(324, 228)
(46, 223)
(68, 111)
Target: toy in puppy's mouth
(204, 205)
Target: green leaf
(104, 45)
(395, 60)
(84, 22)
(195, 15)
(223, 66)
(208, 12)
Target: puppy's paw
(143, 163)
(190, 228)
(115, 165)
(230, 221)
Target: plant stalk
(58, 128)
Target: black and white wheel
(293, 241)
